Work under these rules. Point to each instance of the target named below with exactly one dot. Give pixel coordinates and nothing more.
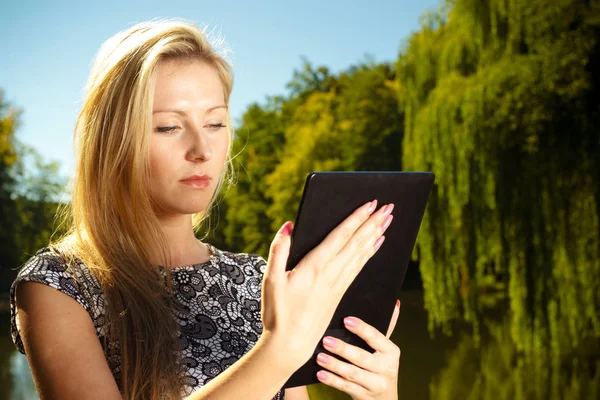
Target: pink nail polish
(323, 358)
(322, 376)
(329, 342)
(286, 229)
(388, 209)
(372, 206)
(379, 242)
(387, 222)
(351, 322)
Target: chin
(191, 208)
(182, 207)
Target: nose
(200, 148)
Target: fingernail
(286, 229)
(397, 303)
(372, 206)
(379, 242)
(323, 358)
(329, 342)
(351, 322)
(388, 209)
(322, 375)
(387, 222)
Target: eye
(166, 129)
(216, 127)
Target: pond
(440, 367)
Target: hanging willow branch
(499, 102)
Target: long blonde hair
(113, 222)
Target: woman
(143, 309)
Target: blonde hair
(114, 223)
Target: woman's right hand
(298, 305)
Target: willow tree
(501, 102)
(493, 370)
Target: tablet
(330, 197)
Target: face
(189, 140)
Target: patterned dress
(218, 308)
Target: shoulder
(45, 261)
(51, 268)
(51, 325)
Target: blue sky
(47, 48)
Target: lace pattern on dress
(216, 304)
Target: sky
(47, 49)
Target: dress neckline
(214, 255)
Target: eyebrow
(178, 111)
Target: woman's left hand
(366, 375)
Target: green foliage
(37, 197)
(495, 370)
(257, 148)
(344, 122)
(8, 207)
(30, 189)
(501, 102)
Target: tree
(257, 151)
(344, 122)
(501, 102)
(8, 208)
(30, 190)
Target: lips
(196, 181)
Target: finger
(361, 245)
(377, 340)
(330, 379)
(354, 354)
(339, 236)
(351, 373)
(279, 253)
(394, 320)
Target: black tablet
(330, 197)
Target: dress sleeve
(48, 268)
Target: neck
(183, 246)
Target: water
(443, 367)
(15, 377)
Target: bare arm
(64, 353)
(67, 360)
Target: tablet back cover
(330, 197)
